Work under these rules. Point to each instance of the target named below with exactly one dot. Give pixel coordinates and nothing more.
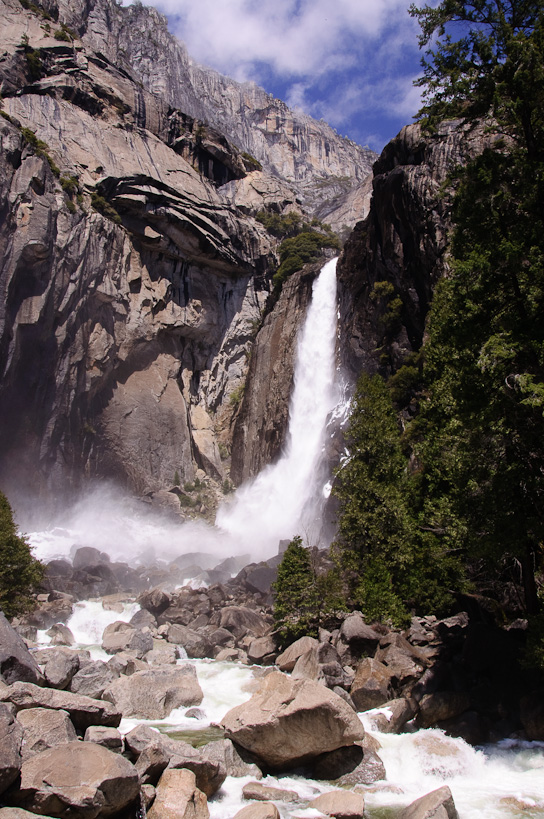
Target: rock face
(290, 721)
(403, 243)
(130, 282)
(78, 779)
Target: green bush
(20, 572)
(102, 205)
(41, 148)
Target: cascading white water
(277, 504)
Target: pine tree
(20, 572)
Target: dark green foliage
(34, 63)
(486, 59)
(482, 425)
(62, 35)
(280, 225)
(41, 148)
(250, 162)
(102, 205)
(20, 572)
(35, 8)
(302, 596)
(390, 563)
(299, 250)
(177, 481)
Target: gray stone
(83, 711)
(16, 662)
(177, 797)
(109, 738)
(438, 804)
(11, 737)
(44, 728)
(153, 694)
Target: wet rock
(155, 601)
(266, 793)
(88, 556)
(61, 635)
(258, 810)
(44, 728)
(288, 721)
(440, 706)
(16, 662)
(357, 764)
(392, 716)
(11, 737)
(83, 711)
(78, 779)
(438, 804)
(177, 797)
(237, 761)
(341, 804)
(153, 694)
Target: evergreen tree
(483, 444)
(391, 566)
(20, 572)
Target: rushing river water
(502, 781)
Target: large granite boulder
(83, 711)
(78, 779)
(92, 679)
(11, 737)
(240, 621)
(44, 728)
(438, 804)
(155, 693)
(290, 721)
(341, 804)
(371, 686)
(120, 636)
(178, 797)
(286, 661)
(16, 661)
(59, 665)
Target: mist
(284, 500)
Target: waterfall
(281, 501)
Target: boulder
(83, 711)
(237, 761)
(341, 804)
(155, 751)
(290, 721)
(438, 804)
(321, 663)
(258, 810)
(356, 639)
(43, 729)
(16, 661)
(109, 738)
(58, 664)
(442, 705)
(120, 636)
(392, 716)
(93, 679)
(371, 686)
(262, 650)
(196, 645)
(153, 694)
(18, 813)
(155, 601)
(78, 779)
(405, 662)
(61, 635)
(88, 556)
(266, 793)
(357, 764)
(286, 661)
(165, 655)
(532, 716)
(11, 737)
(240, 621)
(178, 797)
(126, 663)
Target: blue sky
(351, 62)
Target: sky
(349, 62)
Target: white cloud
(334, 60)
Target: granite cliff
(133, 273)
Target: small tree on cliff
(19, 570)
